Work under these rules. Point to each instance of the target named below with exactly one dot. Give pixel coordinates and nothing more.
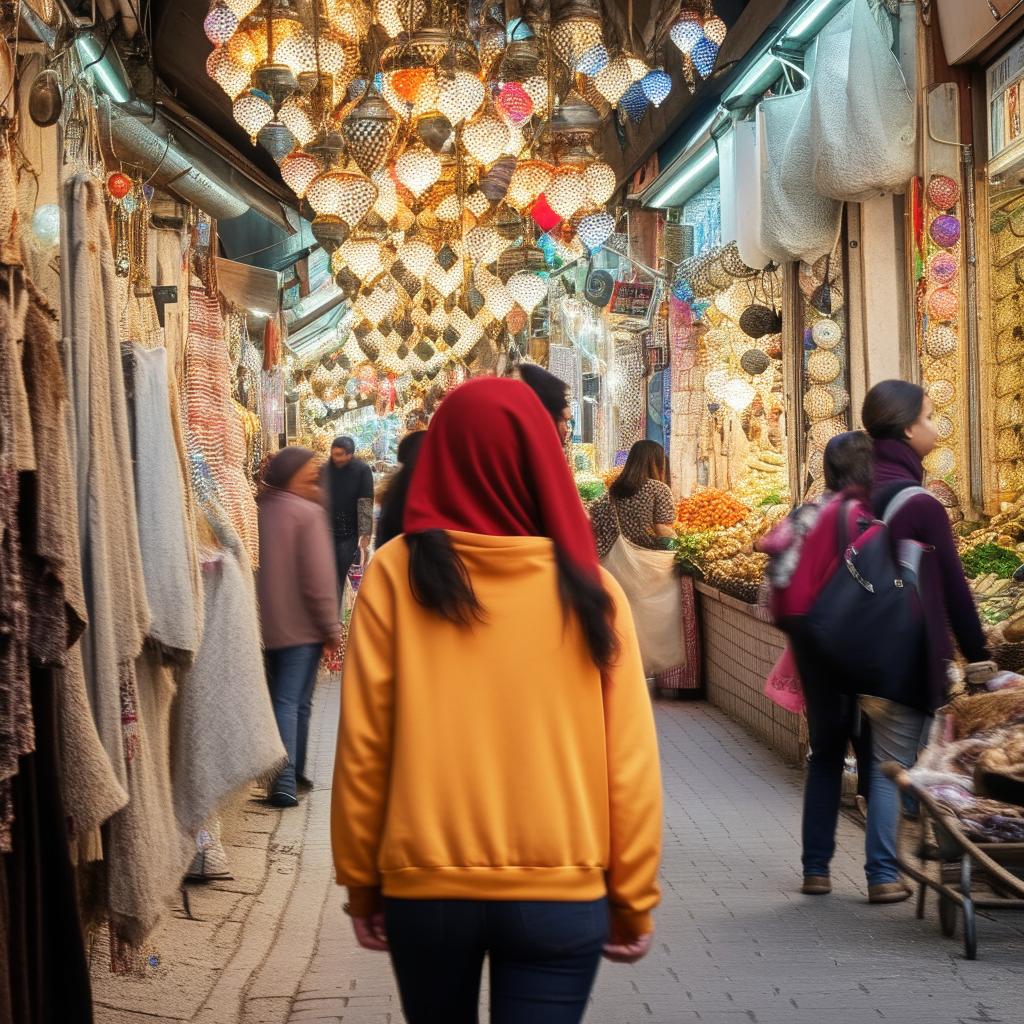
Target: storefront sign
(1005, 81)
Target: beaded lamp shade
(459, 96)
(485, 137)
(945, 231)
(528, 290)
(826, 334)
(592, 61)
(253, 113)
(715, 30)
(943, 192)
(296, 116)
(515, 103)
(417, 169)
(657, 84)
(943, 304)
(363, 258)
(823, 367)
(298, 170)
(757, 321)
(226, 73)
(819, 403)
(370, 129)
(688, 30)
(600, 182)
(940, 341)
(342, 194)
(220, 23)
(942, 267)
(754, 361)
(595, 229)
(567, 191)
(536, 87)
(417, 256)
(528, 181)
(941, 392)
(243, 8)
(614, 80)
(704, 55)
(573, 37)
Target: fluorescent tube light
(692, 171)
(802, 25)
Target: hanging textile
(101, 453)
(214, 433)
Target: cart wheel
(947, 916)
(970, 932)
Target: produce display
(709, 510)
(990, 560)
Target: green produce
(986, 559)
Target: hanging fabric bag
(862, 115)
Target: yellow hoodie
(493, 762)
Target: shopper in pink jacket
(298, 593)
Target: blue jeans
(897, 734)
(291, 675)
(543, 955)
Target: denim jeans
(897, 733)
(543, 958)
(291, 675)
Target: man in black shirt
(349, 485)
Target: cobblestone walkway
(736, 942)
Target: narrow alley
(736, 941)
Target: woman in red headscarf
(496, 789)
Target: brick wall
(740, 646)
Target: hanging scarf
(492, 464)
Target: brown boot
(816, 885)
(889, 892)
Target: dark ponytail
(439, 581)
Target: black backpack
(868, 622)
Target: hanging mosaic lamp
(943, 192)
(715, 30)
(536, 88)
(363, 258)
(252, 112)
(417, 169)
(529, 180)
(634, 102)
(417, 255)
(298, 169)
(657, 84)
(296, 117)
(704, 55)
(226, 73)
(370, 129)
(527, 289)
(945, 231)
(600, 181)
(485, 137)
(574, 36)
(515, 103)
(567, 191)
(243, 8)
(595, 229)
(242, 49)
(220, 24)
(459, 96)
(687, 30)
(593, 61)
(614, 80)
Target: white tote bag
(649, 580)
(796, 223)
(863, 117)
(747, 185)
(727, 184)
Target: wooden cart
(962, 865)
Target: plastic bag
(783, 685)
(796, 223)
(863, 119)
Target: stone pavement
(736, 943)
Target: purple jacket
(923, 519)
(297, 582)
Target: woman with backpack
(497, 789)
(803, 553)
(899, 417)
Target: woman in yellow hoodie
(497, 789)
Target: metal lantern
(459, 96)
(220, 24)
(485, 138)
(370, 129)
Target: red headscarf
(492, 464)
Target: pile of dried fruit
(710, 510)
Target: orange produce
(710, 510)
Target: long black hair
(646, 461)
(890, 407)
(440, 581)
(392, 506)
